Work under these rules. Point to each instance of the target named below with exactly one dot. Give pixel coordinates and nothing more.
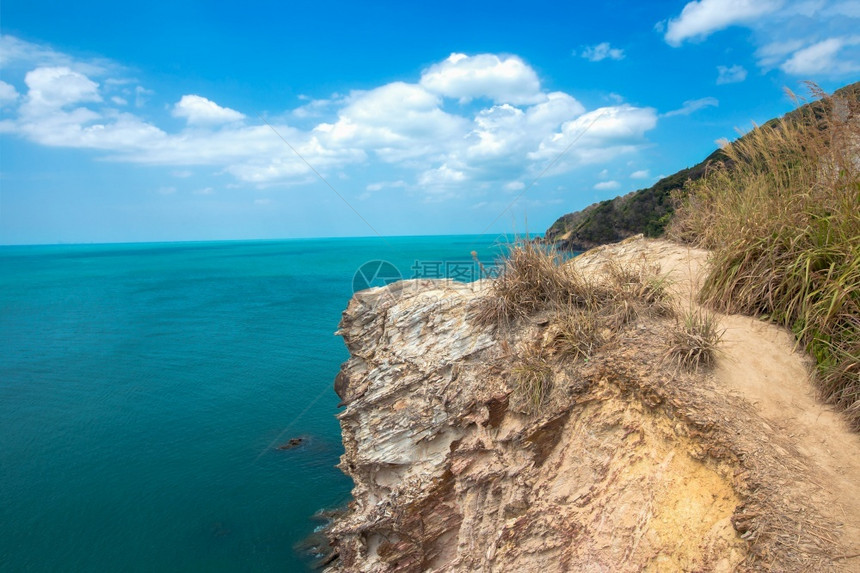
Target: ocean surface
(145, 389)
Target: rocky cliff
(633, 464)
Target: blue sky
(161, 121)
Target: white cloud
(812, 39)
(442, 176)
(700, 19)
(317, 107)
(397, 121)
(602, 51)
(8, 93)
(693, 105)
(58, 87)
(731, 74)
(515, 186)
(503, 131)
(640, 174)
(597, 136)
(204, 191)
(503, 79)
(198, 110)
(443, 148)
(822, 58)
(774, 53)
(607, 185)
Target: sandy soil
(760, 364)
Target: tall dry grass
(533, 279)
(584, 311)
(782, 217)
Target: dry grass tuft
(782, 217)
(584, 313)
(578, 333)
(532, 377)
(693, 342)
(533, 279)
(635, 289)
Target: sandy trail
(759, 363)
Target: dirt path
(760, 364)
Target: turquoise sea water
(144, 389)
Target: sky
(175, 121)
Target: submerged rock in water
(292, 443)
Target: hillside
(648, 210)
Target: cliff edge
(633, 464)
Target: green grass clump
(693, 342)
(782, 217)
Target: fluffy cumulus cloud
(396, 121)
(499, 78)
(810, 39)
(467, 122)
(597, 136)
(59, 87)
(198, 110)
(601, 52)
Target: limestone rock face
(631, 466)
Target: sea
(149, 393)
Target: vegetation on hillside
(782, 217)
(644, 211)
(648, 210)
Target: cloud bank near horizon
(467, 119)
